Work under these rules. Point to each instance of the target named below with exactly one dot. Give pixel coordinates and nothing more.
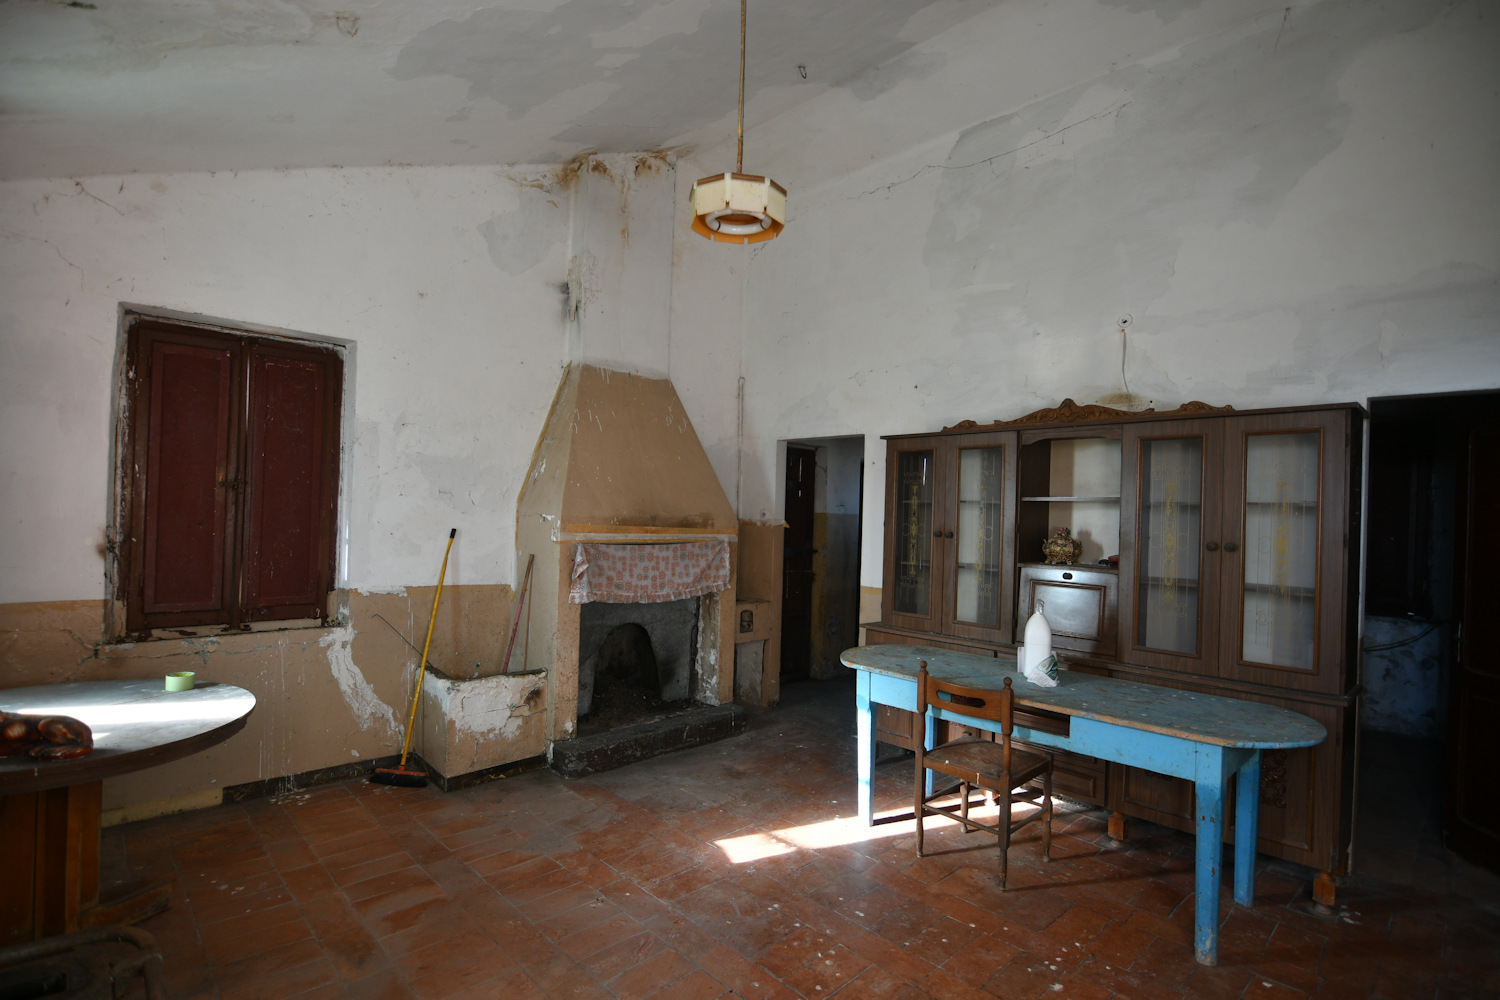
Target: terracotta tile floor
(733, 871)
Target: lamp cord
(739, 160)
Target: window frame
(251, 361)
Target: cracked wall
(324, 697)
(1295, 206)
(444, 285)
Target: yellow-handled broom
(401, 775)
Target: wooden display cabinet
(950, 503)
(1238, 538)
(1240, 563)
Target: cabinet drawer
(1074, 776)
(893, 726)
(1147, 795)
(1079, 603)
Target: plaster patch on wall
(1184, 166)
(361, 698)
(1336, 345)
(519, 240)
(1166, 10)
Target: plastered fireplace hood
(620, 458)
(618, 461)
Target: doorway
(824, 495)
(1429, 674)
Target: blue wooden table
(1201, 737)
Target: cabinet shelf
(1104, 499)
(1156, 582)
(1070, 567)
(1302, 592)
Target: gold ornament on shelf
(1062, 548)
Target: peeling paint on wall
(361, 698)
(482, 721)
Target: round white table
(50, 809)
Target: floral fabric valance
(648, 574)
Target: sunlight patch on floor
(841, 831)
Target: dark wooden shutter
(183, 423)
(290, 460)
(232, 487)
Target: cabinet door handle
(947, 534)
(1231, 547)
(1212, 546)
(1067, 576)
(937, 532)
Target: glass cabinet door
(1279, 572)
(1171, 587)
(1285, 572)
(915, 486)
(978, 535)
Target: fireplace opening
(636, 663)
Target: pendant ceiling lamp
(739, 207)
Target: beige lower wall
(325, 696)
(758, 580)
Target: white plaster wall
(620, 265)
(706, 316)
(1295, 205)
(448, 288)
(444, 282)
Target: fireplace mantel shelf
(638, 534)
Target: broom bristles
(399, 777)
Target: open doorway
(1431, 678)
(820, 565)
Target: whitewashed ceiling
(120, 86)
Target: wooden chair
(991, 765)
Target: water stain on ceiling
(167, 85)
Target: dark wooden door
(1472, 822)
(797, 564)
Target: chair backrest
(993, 705)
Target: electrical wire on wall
(739, 446)
(1123, 322)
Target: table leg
(1209, 788)
(1246, 825)
(864, 728)
(51, 838)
